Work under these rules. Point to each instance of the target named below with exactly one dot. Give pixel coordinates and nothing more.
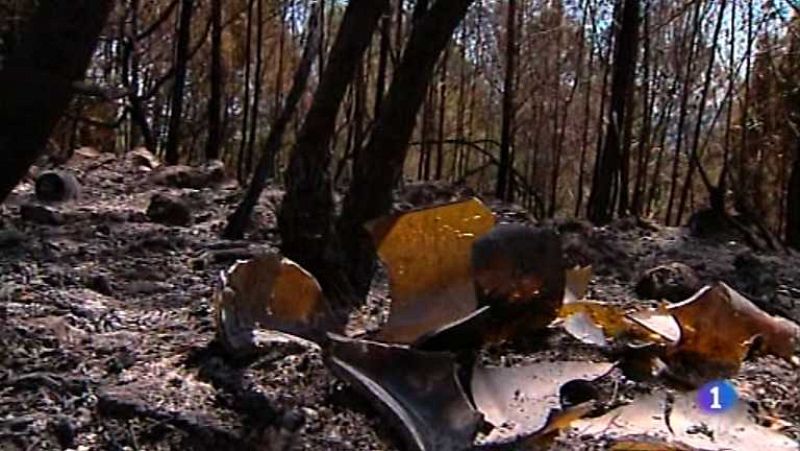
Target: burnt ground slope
(106, 323)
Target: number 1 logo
(717, 397)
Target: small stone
(64, 430)
(89, 153)
(756, 277)
(673, 282)
(41, 214)
(292, 420)
(147, 287)
(121, 362)
(182, 176)
(215, 171)
(11, 238)
(310, 413)
(56, 186)
(169, 210)
(142, 158)
(100, 284)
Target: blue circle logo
(717, 397)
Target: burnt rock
(56, 186)
(65, 431)
(169, 210)
(708, 223)
(429, 193)
(99, 283)
(673, 282)
(182, 176)
(576, 236)
(142, 158)
(10, 238)
(40, 214)
(755, 277)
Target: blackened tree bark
(240, 162)
(37, 78)
(215, 81)
(359, 89)
(238, 221)
(131, 80)
(305, 218)
(648, 106)
(381, 164)
(442, 114)
(793, 188)
(504, 168)
(793, 203)
(586, 116)
(694, 155)
(565, 111)
(608, 182)
(684, 110)
(604, 95)
(257, 82)
(717, 196)
(420, 9)
(181, 64)
(383, 62)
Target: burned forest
(400, 225)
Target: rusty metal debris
(268, 292)
(419, 391)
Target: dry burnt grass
(106, 328)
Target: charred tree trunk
(381, 166)
(306, 214)
(687, 81)
(215, 80)
(694, 157)
(605, 60)
(608, 182)
(248, 51)
(743, 189)
(278, 97)
(425, 136)
(133, 83)
(36, 79)
(442, 114)
(383, 62)
(648, 103)
(181, 63)
(238, 221)
(793, 204)
(258, 75)
(586, 116)
(717, 199)
(562, 130)
(457, 169)
(504, 172)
